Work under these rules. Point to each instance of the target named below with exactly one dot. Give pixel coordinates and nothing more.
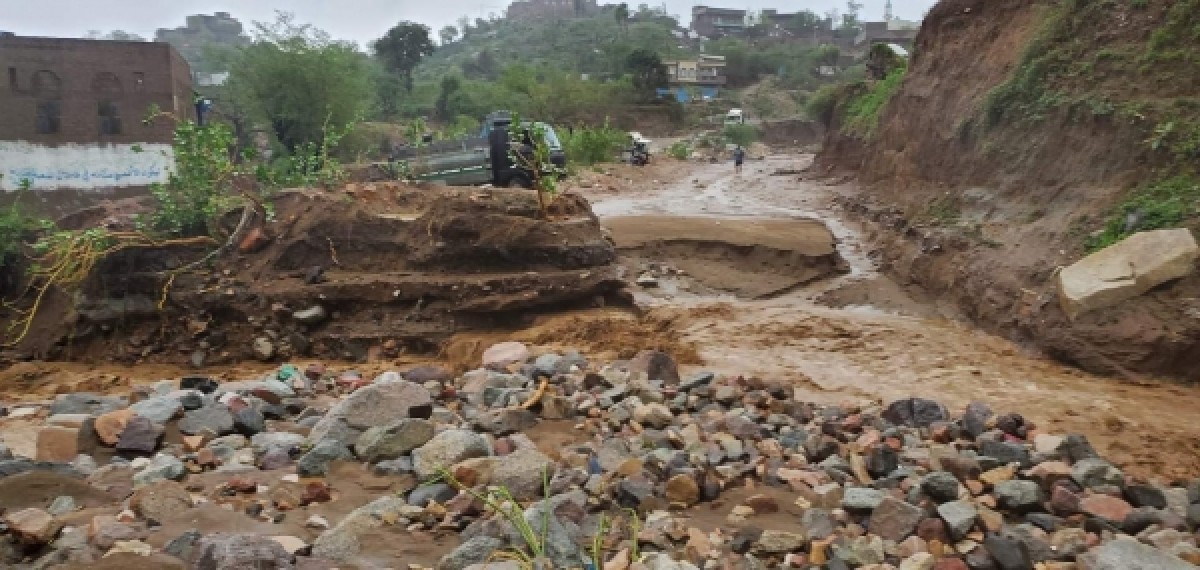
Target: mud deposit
(751, 258)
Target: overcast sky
(358, 20)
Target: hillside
(1024, 134)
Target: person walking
(739, 156)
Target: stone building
(71, 112)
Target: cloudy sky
(358, 20)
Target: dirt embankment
(358, 273)
(1019, 127)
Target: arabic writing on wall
(83, 167)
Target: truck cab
(479, 160)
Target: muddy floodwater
(853, 334)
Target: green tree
(451, 89)
(621, 14)
(402, 48)
(448, 34)
(806, 21)
(648, 72)
(297, 81)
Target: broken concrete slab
(1126, 269)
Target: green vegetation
(862, 112)
(589, 145)
(1167, 203)
(679, 150)
(16, 223)
(741, 135)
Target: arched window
(48, 113)
(105, 82)
(46, 84)
(110, 118)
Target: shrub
(679, 150)
(16, 223)
(863, 111)
(822, 103)
(741, 135)
(1168, 203)
(589, 145)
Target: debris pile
(642, 468)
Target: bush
(589, 145)
(679, 150)
(863, 112)
(16, 223)
(741, 135)
(822, 103)
(1168, 203)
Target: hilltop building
(712, 22)
(550, 9)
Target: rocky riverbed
(564, 463)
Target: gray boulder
(213, 418)
(159, 409)
(448, 448)
(378, 404)
(381, 443)
(162, 467)
(316, 462)
(524, 473)
(223, 551)
(959, 517)
(85, 403)
(342, 542)
(1018, 496)
(476, 550)
(1129, 554)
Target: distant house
(706, 71)
(717, 22)
(72, 112)
(896, 32)
(549, 9)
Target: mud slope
(1018, 129)
(363, 271)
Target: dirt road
(858, 336)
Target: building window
(110, 118)
(48, 117)
(139, 81)
(47, 84)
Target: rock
(58, 444)
(656, 416)
(1008, 553)
(1146, 496)
(439, 492)
(223, 551)
(524, 473)
(108, 426)
(861, 499)
(918, 561)
(505, 421)
(214, 419)
(135, 547)
(1063, 502)
(162, 467)
(861, 551)
(940, 486)
(85, 403)
(1095, 472)
(184, 545)
(818, 523)
(161, 500)
(1132, 555)
(316, 462)
(394, 440)
(657, 366)
(500, 355)
(33, 527)
(1126, 269)
(310, 316)
(1108, 508)
(249, 421)
(263, 348)
(915, 412)
(159, 409)
(683, 490)
(343, 541)
(105, 531)
(959, 517)
(894, 519)
(697, 381)
(1006, 452)
(1076, 448)
(778, 542)
(1018, 496)
(447, 448)
(266, 441)
(476, 550)
(141, 435)
(62, 505)
(378, 404)
(201, 384)
(290, 544)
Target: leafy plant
(741, 134)
(16, 222)
(863, 111)
(590, 145)
(1167, 203)
(529, 149)
(679, 150)
(201, 185)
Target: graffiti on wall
(83, 166)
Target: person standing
(739, 156)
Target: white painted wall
(83, 166)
